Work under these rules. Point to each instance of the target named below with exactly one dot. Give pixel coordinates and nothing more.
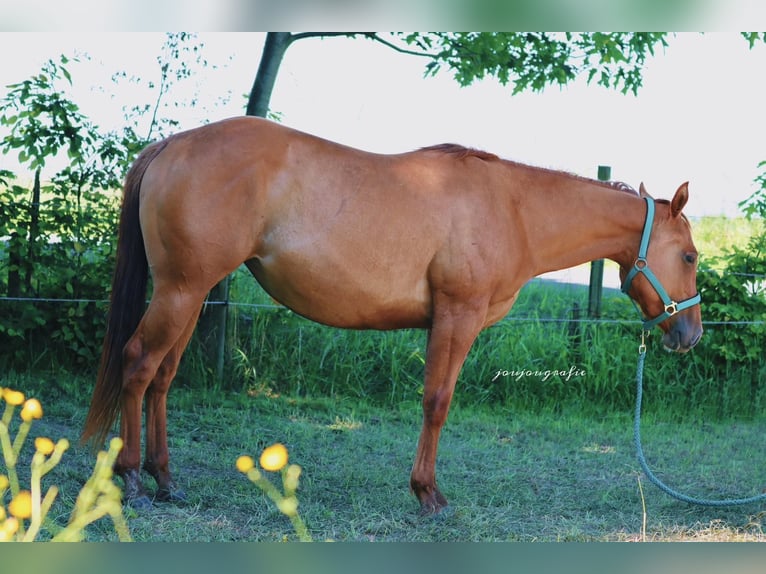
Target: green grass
(510, 475)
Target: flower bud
(274, 457)
(291, 477)
(14, 398)
(21, 505)
(44, 445)
(32, 409)
(245, 463)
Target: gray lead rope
(642, 460)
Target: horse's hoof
(435, 511)
(432, 501)
(439, 514)
(140, 502)
(171, 495)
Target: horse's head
(663, 279)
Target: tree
(532, 60)
(42, 122)
(61, 230)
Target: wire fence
(275, 307)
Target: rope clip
(642, 346)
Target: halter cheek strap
(641, 266)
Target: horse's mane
(622, 186)
(461, 152)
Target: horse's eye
(690, 258)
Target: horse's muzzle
(682, 336)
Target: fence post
(212, 326)
(596, 286)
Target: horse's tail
(126, 305)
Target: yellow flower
(245, 463)
(274, 457)
(14, 398)
(4, 482)
(21, 505)
(44, 445)
(32, 409)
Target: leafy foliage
(529, 60)
(534, 60)
(737, 293)
(58, 233)
(62, 230)
(755, 205)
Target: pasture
(511, 475)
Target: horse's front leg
(454, 329)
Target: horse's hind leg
(157, 457)
(166, 320)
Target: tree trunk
(34, 231)
(273, 52)
(15, 262)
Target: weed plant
(26, 514)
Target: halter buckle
(671, 308)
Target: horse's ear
(642, 191)
(679, 199)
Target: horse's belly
(345, 297)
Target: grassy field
(509, 475)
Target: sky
(699, 116)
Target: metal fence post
(596, 286)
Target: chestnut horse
(442, 238)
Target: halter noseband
(642, 266)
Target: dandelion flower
(13, 398)
(245, 463)
(44, 445)
(32, 409)
(274, 457)
(21, 505)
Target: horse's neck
(583, 221)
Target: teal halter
(642, 266)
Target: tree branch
(303, 35)
(369, 35)
(374, 37)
